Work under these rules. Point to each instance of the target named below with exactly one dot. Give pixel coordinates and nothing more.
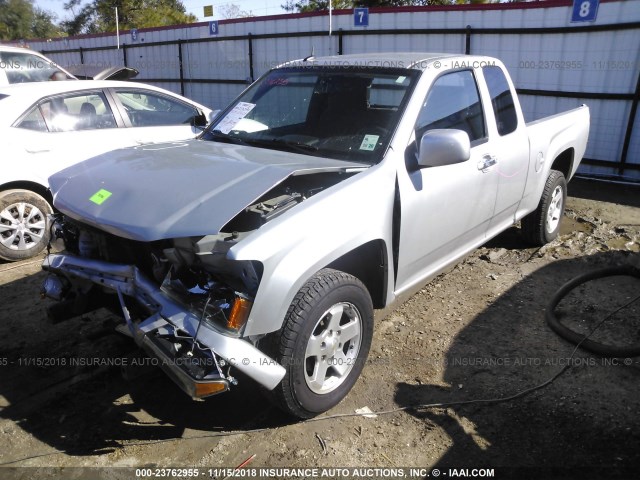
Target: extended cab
(324, 191)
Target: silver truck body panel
(177, 189)
(426, 218)
(330, 225)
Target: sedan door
(60, 131)
(153, 117)
(445, 210)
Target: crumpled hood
(177, 189)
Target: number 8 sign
(584, 10)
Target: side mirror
(444, 147)
(200, 120)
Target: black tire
(28, 233)
(307, 326)
(543, 225)
(578, 338)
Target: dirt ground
(476, 332)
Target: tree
(315, 5)
(20, 19)
(43, 25)
(318, 5)
(231, 10)
(100, 15)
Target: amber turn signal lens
(239, 313)
(206, 389)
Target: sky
(257, 7)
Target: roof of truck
(412, 60)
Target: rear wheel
(323, 343)
(543, 225)
(24, 228)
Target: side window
(148, 109)
(453, 102)
(501, 100)
(33, 121)
(86, 111)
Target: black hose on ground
(577, 338)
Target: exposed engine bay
(192, 274)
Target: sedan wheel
(23, 224)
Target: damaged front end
(170, 272)
(185, 309)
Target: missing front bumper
(169, 316)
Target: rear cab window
(502, 101)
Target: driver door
(446, 210)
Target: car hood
(177, 189)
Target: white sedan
(48, 126)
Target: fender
(329, 225)
(548, 138)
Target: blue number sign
(584, 10)
(213, 27)
(361, 17)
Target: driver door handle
(487, 162)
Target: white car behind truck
(325, 190)
(49, 126)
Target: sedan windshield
(340, 113)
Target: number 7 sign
(361, 17)
(584, 10)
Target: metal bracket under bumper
(131, 282)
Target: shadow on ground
(584, 425)
(87, 407)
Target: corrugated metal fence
(556, 65)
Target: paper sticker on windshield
(100, 196)
(369, 142)
(238, 112)
(400, 79)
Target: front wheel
(543, 225)
(323, 343)
(23, 224)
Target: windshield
(340, 113)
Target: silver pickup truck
(324, 191)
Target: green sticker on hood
(100, 196)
